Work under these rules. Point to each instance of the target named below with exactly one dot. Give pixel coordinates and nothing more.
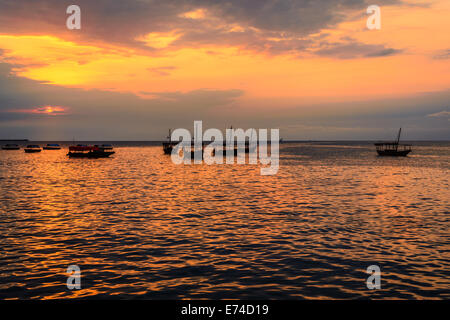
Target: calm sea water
(139, 226)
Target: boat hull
(168, 147)
(393, 153)
(32, 150)
(10, 148)
(51, 148)
(92, 154)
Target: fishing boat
(32, 148)
(230, 145)
(106, 146)
(168, 145)
(83, 151)
(52, 146)
(11, 147)
(393, 148)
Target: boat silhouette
(52, 146)
(11, 147)
(393, 148)
(32, 148)
(82, 151)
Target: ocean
(139, 226)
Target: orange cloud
(46, 110)
(194, 14)
(373, 71)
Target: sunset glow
(224, 159)
(48, 110)
(202, 49)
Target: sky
(311, 68)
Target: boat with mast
(393, 148)
(168, 145)
(228, 144)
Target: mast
(398, 138)
(231, 135)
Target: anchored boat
(168, 145)
(393, 149)
(52, 146)
(11, 147)
(231, 145)
(82, 151)
(32, 148)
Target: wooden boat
(11, 147)
(169, 145)
(393, 149)
(82, 151)
(32, 148)
(52, 146)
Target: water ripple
(139, 226)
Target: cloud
(251, 24)
(442, 54)
(45, 110)
(441, 114)
(214, 97)
(352, 50)
(27, 106)
(107, 115)
(162, 71)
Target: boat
(11, 147)
(231, 145)
(83, 151)
(393, 148)
(52, 146)
(106, 148)
(168, 145)
(32, 148)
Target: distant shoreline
(160, 141)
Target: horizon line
(164, 140)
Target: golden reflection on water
(138, 225)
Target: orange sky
(420, 32)
(312, 69)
